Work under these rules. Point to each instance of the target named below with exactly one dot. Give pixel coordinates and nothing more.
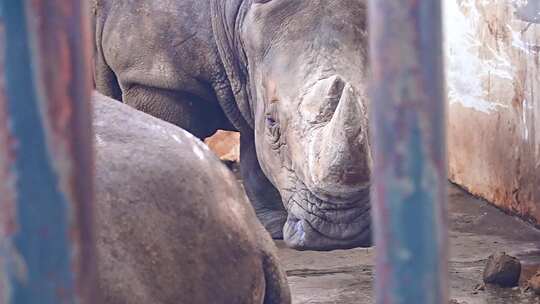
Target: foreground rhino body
(289, 75)
(173, 223)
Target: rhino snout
(315, 224)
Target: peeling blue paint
(409, 147)
(42, 239)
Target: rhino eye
(272, 125)
(261, 1)
(271, 121)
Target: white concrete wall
(493, 82)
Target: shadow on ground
(476, 231)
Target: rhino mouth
(320, 224)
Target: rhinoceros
(290, 75)
(173, 224)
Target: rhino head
(300, 83)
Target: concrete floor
(477, 230)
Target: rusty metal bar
(46, 240)
(410, 179)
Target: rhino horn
(343, 158)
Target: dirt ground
(477, 230)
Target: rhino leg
(104, 78)
(263, 196)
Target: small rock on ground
(534, 283)
(503, 270)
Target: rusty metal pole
(46, 240)
(410, 179)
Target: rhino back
(173, 224)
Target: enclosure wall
(493, 81)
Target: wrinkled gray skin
(173, 225)
(288, 74)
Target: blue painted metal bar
(409, 179)
(46, 241)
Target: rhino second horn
(347, 121)
(337, 85)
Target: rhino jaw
(318, 224)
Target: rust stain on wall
(62, 50)
(494, 107)
(7, 199)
